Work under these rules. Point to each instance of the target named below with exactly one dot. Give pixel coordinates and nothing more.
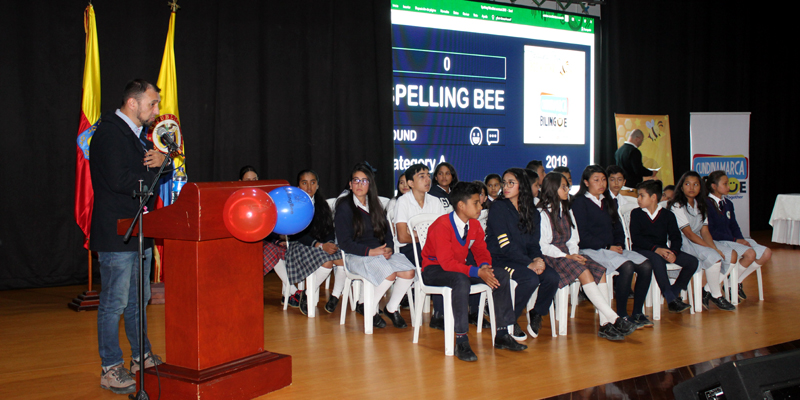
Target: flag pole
(88, 300)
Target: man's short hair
(463, 191)
(652, 187)
(615, 169)
(562, 170)
(534, 165)
(636, 133)
(412, 170)
(669, 187)
(136, 88)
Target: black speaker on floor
(776, 376)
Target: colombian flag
(90, 118)
(169, 122)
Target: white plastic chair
(733, 282)
(420, 224)
(531, 303)
(368, 291)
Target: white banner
(721, 141)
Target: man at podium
(121, 156)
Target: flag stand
(88, 300)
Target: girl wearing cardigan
(363, 232)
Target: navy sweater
(722, 223)
(508, 245)
(647, 234)
(595, 227)
(345, 234)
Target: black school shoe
(518, 334)
(506, 342)
(608, 331)
(624, 326)
(706, 298)
(378, 322)
(464, 352)
(396, 318)
(677, 306)
(304, 303)
(437, 322)
(742, 296)
(330, 306)
(534, 323)
(473, 320)
(641, 321)
(722, 303)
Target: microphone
(162, 133)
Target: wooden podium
(215, 313)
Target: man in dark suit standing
(629, 158)
(121, 156)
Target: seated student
(363, 232)
(401, 189)
(563, 171)
(559, 242)
(451, 238)
(602, 238)
(416, 201)
(726, 232)
(492, 182)
(533, 178)
(616, 180)
(313, 251)
(651, 228)
(512, 237)
(668, 194)
(537, 166)
(689, 207)
(444, 177)
(485, 203)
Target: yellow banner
(657, 146)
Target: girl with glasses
(364, 234)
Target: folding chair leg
(760, 285)
(345, 296)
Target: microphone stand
(144, 194)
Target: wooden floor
(50, 352)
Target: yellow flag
(167, 80)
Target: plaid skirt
(568, 270)
(302, 260)
(272, 254)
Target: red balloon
(249, 214)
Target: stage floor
(48, 351)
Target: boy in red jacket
(450, 240)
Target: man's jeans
(119, 272)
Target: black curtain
(677, 57)
(282, 86)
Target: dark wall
(286, 86)
(678, 57)
(283, 86)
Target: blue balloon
(295, 209)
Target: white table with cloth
(785, 219)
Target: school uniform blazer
(595, 227)
(508, 245)
(722, 222)
(117, 164)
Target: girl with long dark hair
(689, 206)
(559, 241)
(364, 234)
(444, 177)
(512, 237)
(602, 239)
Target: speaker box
(776, 376)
